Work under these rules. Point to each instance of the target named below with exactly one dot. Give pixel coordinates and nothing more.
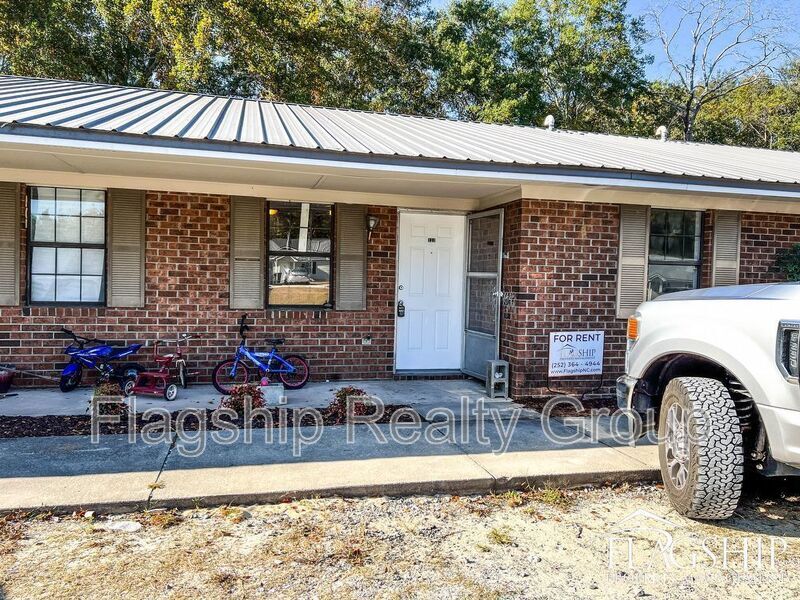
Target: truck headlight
(634, 324)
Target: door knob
(401, 309)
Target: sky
(659, 68)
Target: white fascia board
(66, 146)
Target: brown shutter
(126, 242)
(727, 234)
(9, 244)
(634, 226)
(351, 257)
(247, 252)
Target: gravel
(539, 544)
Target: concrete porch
(421, 395)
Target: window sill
(300, 307)
(64, 305)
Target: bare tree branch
(715, 47)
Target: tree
(472, 62)
(347, 53)
(108, 41)
(715, 48)
(590, 60)
(653, 106)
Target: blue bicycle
(97, 356)
(291, 369)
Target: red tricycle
(162, 382)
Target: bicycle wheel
(70, 382)
(299, 377)
(225, 380)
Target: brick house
(379, 245)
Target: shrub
(113, 400)
(787, 262)
(337, 410)
(243, 395)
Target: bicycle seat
(275, 341)
(164, 358)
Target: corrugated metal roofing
(168, 114)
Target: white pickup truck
(717, 371)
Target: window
(299, 254)
(675, 246)
(66, 241)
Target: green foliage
(787, 262)
(506, 62)
(110, 41)
(590, 59)
(473, 61)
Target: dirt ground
(546, 543)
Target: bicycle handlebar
(79, 339)
(243, 327)
(181, 338)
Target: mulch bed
(63, 425)
(565, 410)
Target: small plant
(162, 519)
(787, 262)
(108, 397)
(500, 536)
(554, 497)
(513, 498)
(247, 394)
(234, 514)
(337, 410)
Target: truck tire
(700, 448)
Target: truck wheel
(700, 448)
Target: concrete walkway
(422, 395)
(67, 473)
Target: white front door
(430, 284)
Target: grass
(500, 536)
(555, 497)
(161, 518)
(12, 530)
(234, 514)
(551, 496)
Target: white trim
(158, 153)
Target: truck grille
(788, 348)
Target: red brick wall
(186, 283)
(561, 265)
(560, 269)
(763, 234)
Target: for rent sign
(576, 353)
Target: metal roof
(156, 113)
